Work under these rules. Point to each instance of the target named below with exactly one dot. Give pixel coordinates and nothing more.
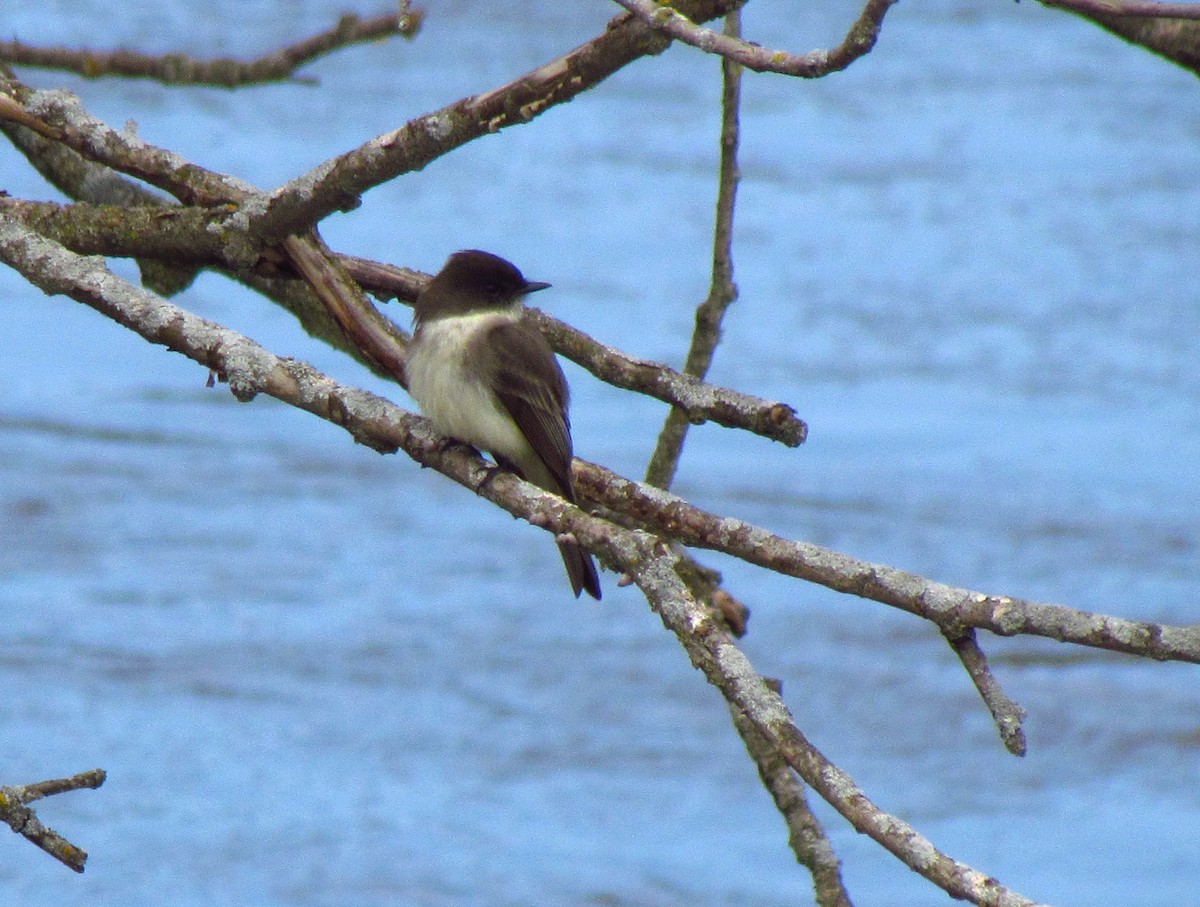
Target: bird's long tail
(581, 569)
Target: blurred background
(319, 676)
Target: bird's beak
(532, 286)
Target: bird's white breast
(451, 394)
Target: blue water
(320, 676)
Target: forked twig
(859, 40)
(15, 811)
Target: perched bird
(485, 375)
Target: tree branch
(180, 69)
(344, 300)
(13, 112)
(1174, 39)
(371, 420)
(722, 290)
(188, 234)
(726, 667)
(123, 151)
(951, 608)
(702, 402)
(24, 821)
(1008, 716)
(806, 835)
(336, 184)
(675, 22)
(1135, 8)
(97, 141)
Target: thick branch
(179, 234)
(1175, 39)
(1145, 9)
(675, 22)
(180, 69)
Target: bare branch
(1135, 8)
(250, 369)
(674, 21)
(951, 608)
(806, 835)
(336, 184)
(180, 69)
(13, 112)
(183, 234)
(98, 141)
(702, 402)
(172, 233)
(727, 668)
(1008, 716)
(722, 291)
(1174, 39)
(24, 821)
(124, 151)
(344, 299)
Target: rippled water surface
(321, 676)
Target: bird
(483, 374)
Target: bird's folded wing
(530, 385)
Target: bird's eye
(492, 289)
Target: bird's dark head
(473, 281)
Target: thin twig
(1007, 714)
(806, 835)
(722, 290)
(24, 821)
(180, 69)
(702, 402)
(13, 112)
(677, 24)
